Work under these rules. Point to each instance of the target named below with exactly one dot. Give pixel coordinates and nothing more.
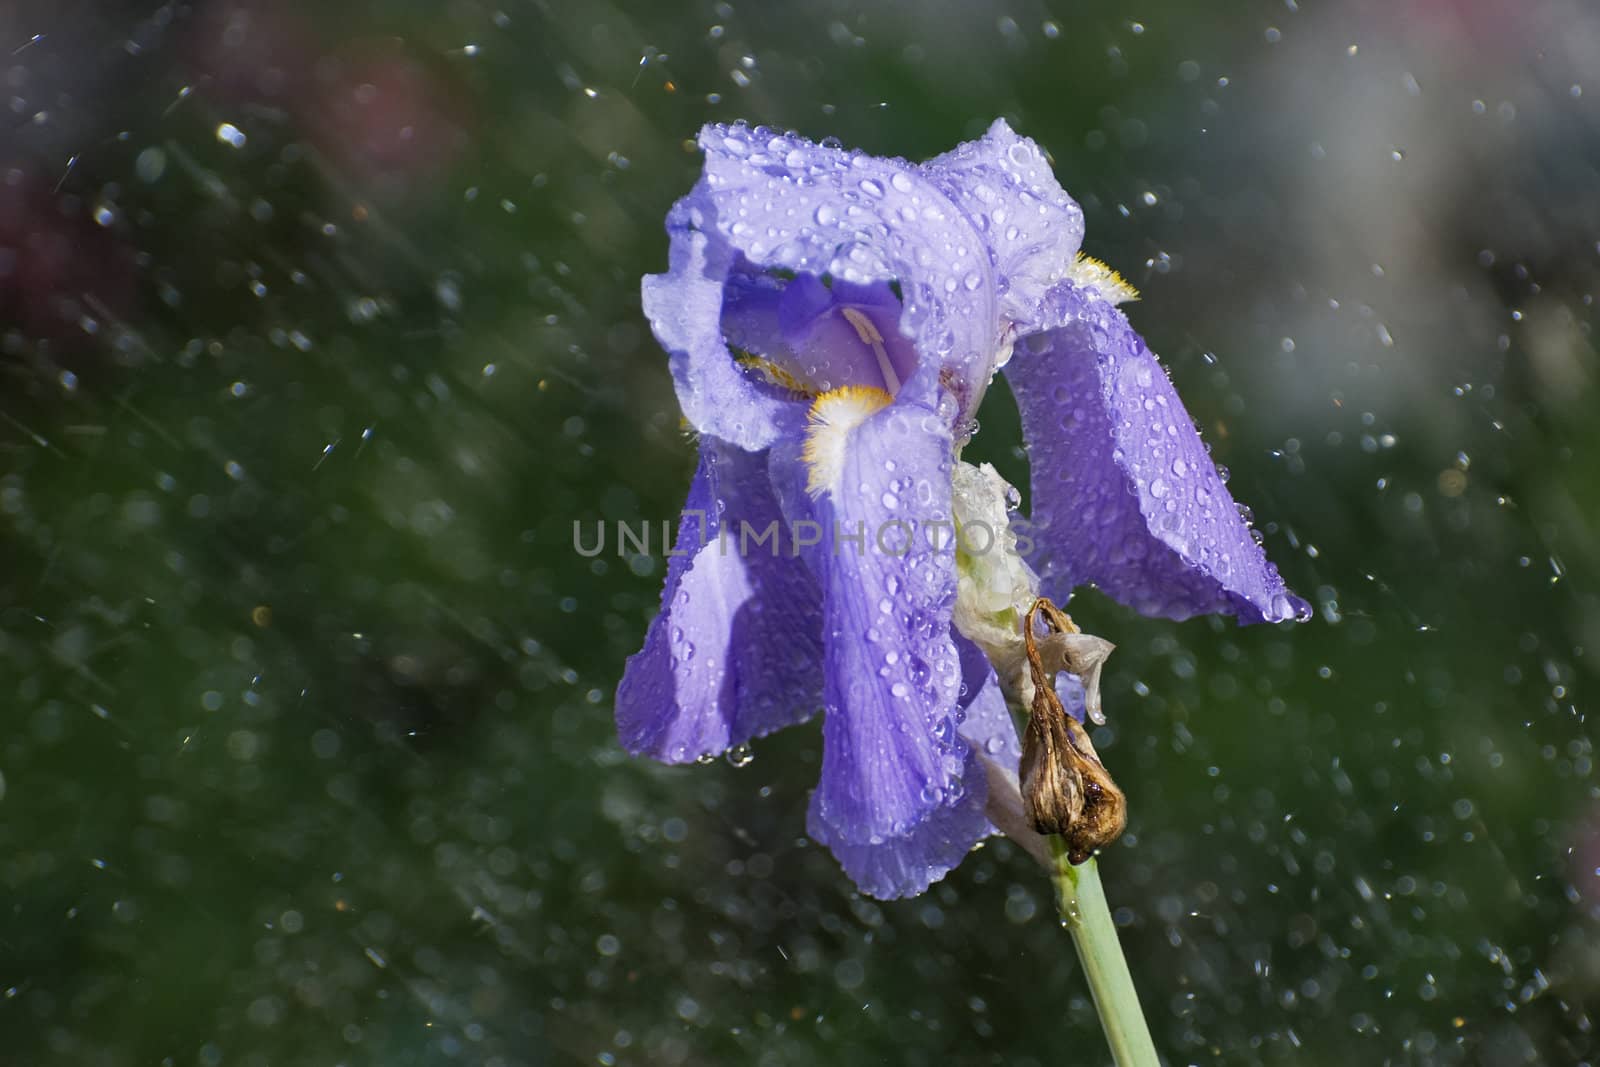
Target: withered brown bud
(1052, 787)
(1105, 809)
(1066, 790)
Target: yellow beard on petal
(1093, 274)
(834, 415)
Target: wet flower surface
(322, 334)
(832, 321)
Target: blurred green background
(319, 327)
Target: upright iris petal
(1031, 226)
(784, 203)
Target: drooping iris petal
(987, 724)
(906, 865)
(736, 649)
(1124, 494)
(895, 770)
(684, 307)
(784, 202)
(1031, 226)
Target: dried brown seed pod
(1066, 790)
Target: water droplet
(150, 165)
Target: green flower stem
(1082, 903)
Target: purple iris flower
(833, 320)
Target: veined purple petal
(986, 724)
(736, 650)
(1030, 224)
(684, 307)
(905, 865)
(1124, 494)
(892, 754)
(784, 202)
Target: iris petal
(987, 724)
(901, 796)
(786, 203)
(684, 307)
(907, 864)
(1030, 225)
(1124, 493)
(892, 679)
(736, 649)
